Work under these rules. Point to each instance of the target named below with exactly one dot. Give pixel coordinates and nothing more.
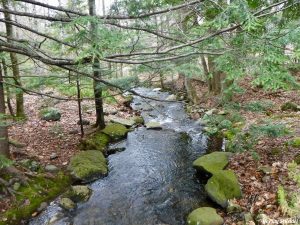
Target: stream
(152, 182)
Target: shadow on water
(152, 181)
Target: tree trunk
(15, 66)
(96, 73)
(4, 146)
(8, 101)
(215, 81)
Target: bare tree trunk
(4, 146)
(97, 74)
(15, 67)
(214, 82)
(8, 101)
(79, 105)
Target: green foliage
(4, 162)
(270, 129)
(289, 202)
(258, 106)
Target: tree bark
(4, 146)
(15, 66)
(8, 95)
(96, 73)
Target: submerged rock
(204, 216)
(154, 126)
(116, 131)
(223, 186)
(212, 162)
(88, 165)
(97, 141)
(79, 193)
(67, 204)
(50, 114)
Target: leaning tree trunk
(4, 146)
(14, 64)
(96, 72)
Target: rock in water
(50, 114)
(204, 216)
(79, 193)
(223, 186)
(67, 204)
(212, 162)
(171, 98)
(153, 126)
(88, 166)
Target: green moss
(139, 120)
(39, 190)
(50, 114)
(88, 165)
(222, 186)
(297, 159)
(212, 162)
(204, 216)
(115, 131)
(275, 151)
(296, 142)
(97, 141)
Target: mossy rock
(296, 142)
(88, 166)
(97, 141)
(212, 162)
(50, 114)
(223, 186)
(153, 125)
(78, 193)
(67, 204)
(116, 131)
(290, 106)
(204, 216)
(138, 120)
(39, 190)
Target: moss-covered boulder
(97, 141)
(115, 131)
(50, 114)
(290, 106)
(78, 193)
(223, 186)
(204, 216)
(212, 162)
(88, 166)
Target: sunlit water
(152, 181)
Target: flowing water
(152, 181)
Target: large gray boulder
(204, 216)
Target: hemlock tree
(14, 62)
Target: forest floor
(260, 187)
(40, 140)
